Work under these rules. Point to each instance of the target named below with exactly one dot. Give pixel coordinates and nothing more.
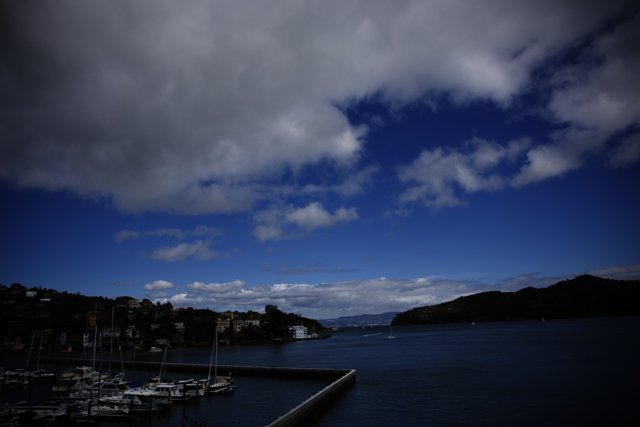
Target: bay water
(535, 373)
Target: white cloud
(544, 162)
(277, 222)
(378, 295)
(437, 175)
(217, 287)
(326, 300)
(188, 108)
(315, 216)
(159, 285)
(604, 96)
(182, 300)
(594, 102)
(199, 250)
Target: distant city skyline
(333, 158)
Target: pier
(298, 414)
(340, 380)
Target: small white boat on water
(221, 385)
(74, 380)
(196, 388)
(155, 350)
(161, 393)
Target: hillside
(583, 296)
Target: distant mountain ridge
(360, 320)
(582, 296)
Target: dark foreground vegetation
(583, 296)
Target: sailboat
(114, 380)
(157, 390)
(219, 385)
(390, 336)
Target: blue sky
(331, 158)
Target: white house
(298, 332)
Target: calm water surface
(554, 373)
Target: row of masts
(84, 393)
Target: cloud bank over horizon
(348, 298)
(208, 107)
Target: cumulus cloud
(546, 161)
(596, 100)
(603, 96)
(217, 287)
(315, 216)
(276, 222)
(593, 101)
(200, 250)
(437, 176)
(182, 299)
(159, 285)
(197, 107)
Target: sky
(331, 158)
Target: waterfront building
(298, 332)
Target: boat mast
(215, 363)
(213, 350)
(164, 355)
(111, 341)
(39, 348)
(30, 350)
(95, 338)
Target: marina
(75, 398)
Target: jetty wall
(297, 415)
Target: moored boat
(221, 385)
(217, 385)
